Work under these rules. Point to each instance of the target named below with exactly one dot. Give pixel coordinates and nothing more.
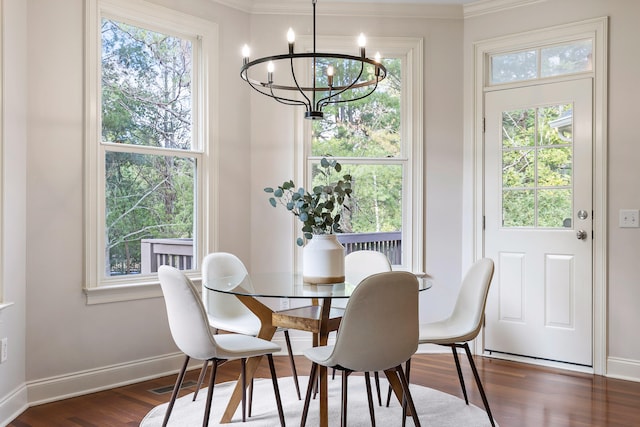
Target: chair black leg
(203, 371)
(376, 378)
(243, 377)
(460, 377)
(406, 394)
(276, 389)
(212, 382)
(478, 383)
(367, 379)
(176, 389)
(307, 400)
(343, 405)
(250, 403)
(390, 390)
(292, 362)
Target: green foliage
(320, 209)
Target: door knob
(581, 234)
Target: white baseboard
(13, 405)
(624, 369)
(104, 378)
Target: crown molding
(484, 7)
(395, 10)
(332, 8)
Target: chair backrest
(360, 264)
(379, 329)
(187, 318)
(225, 306)
(468, 312)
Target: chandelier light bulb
(362, 41)
(270, 68)
(377, 57)
(330, 75)
(245, 54)
(291, 36)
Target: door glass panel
(518, 208)
(518, 168)
(518, 128)
(537, 167)
(554, 208)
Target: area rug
(434, 407)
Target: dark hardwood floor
(520, 395)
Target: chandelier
(358, 77)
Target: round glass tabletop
(285, 285)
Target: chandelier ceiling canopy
(339, 78)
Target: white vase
(323, 260)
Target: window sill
(126, 292)
(119, 293)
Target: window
(147, 143)
(549, 61)
(378, 141)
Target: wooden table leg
(324, 379)
(267, 330)
(396, 386)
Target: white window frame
(410, 51)
(97, 287)
(2, 103)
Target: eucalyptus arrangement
(320, 209)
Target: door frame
(596, 29)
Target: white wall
(59, 345)
(13, 396)
(623, 149)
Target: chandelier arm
(295, 80)
(344, 89)
(258, 87)
(288, 101)
(339, 101)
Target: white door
(538, 221)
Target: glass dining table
(251, 288)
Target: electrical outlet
(629, 218)
(3, 350)
(284, 303)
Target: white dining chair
(379, 332)
(192, 334)
(226, 312)
(359, 265)
(465, 322)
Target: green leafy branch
(320, 209)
